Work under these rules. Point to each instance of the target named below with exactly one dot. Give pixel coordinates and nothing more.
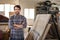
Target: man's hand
(17, 26)
(20, 26)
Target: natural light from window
(6, 8)
(29, 13)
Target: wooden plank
(41, 22)
(46, 31)
(1, 23)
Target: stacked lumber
(40, 27)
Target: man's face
(17, 10)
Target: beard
(17, 13)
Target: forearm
(17, 26)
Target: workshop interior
(43, 18)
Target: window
(6, 8)
(11, 8)
(1, 7)
(29, 13)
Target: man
(16, 24)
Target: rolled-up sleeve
(24, 23)
(10, 23)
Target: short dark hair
(18, 6)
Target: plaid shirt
(17, 19)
